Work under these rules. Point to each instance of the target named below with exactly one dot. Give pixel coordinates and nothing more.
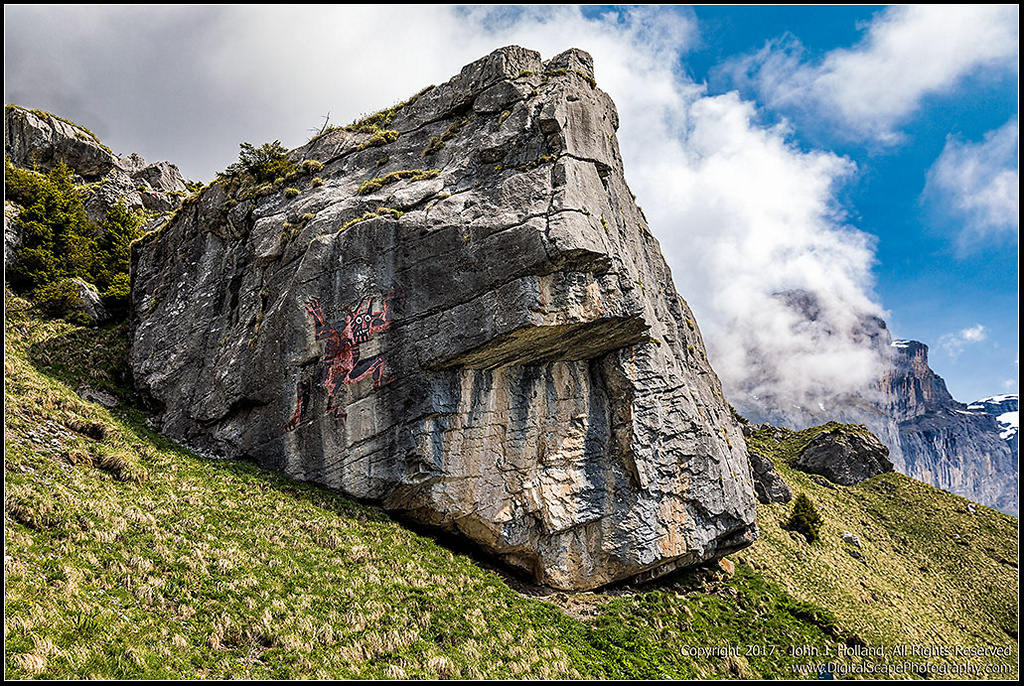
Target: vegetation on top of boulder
(438, 142)
(379, 137)
(381, 212)
(549, 73)
(264, 164)
(376, 123)
(780, 443)
(49, 115)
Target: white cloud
(742, 213)
(955, 343)
(978, 186)
(975, 334)
(908, 53)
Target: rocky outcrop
(12, 235)
(844, 457)
(769, 487)
(459, 312)
(89, 303)
(40, 141)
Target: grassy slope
(934, 573)
(127, 556)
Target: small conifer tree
(805, 519)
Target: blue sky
(866, 153)
(935, 282)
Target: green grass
(127, 556)
(372, 185)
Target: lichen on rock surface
(501, 353)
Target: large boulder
(462, 316)
(844, 456)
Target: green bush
(58, 243)
(805, 519)
(117, 295)
(120, 227)
(266, 163)
(312, 166)
(57, 239)
(60, 299)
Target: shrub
(60, 243)
(291, 192)
(312, 166)
(60, 299)
(120, 227)
(266, 163)
(316, 182)
(379, 137)
(117, 295)
(805, 519)
(58, 240)
(382, 212)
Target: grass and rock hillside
(127, 556)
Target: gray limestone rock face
(768, 485)
(157, 187)
(12, 231)
(484, 339)
(38, 140)
(845, 457)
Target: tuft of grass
(379, 137)
(375, 184)
(381, 119)
(381, 212)
(438, 142)
(552, 73)
(532, 164)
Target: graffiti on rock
(343, 364)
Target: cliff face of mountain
(947, 443)
(967, 450)
(456, 309)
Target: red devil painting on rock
(343, 363)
